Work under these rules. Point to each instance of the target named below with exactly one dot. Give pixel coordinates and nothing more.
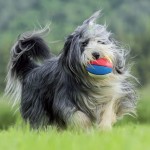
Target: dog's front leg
(80, 120)
(108, 117)
(65, 111)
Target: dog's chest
(105, 92)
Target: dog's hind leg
(32, 109)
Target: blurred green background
(129, 20)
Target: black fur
(51, 91)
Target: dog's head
(92, 41)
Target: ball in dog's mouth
(99, 67)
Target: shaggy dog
(59, 91)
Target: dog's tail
(29, 47)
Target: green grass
(127, 137)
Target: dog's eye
(85, 43)
(101, 42)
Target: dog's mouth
(102, 62)
(100, 66)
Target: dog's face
(92, 41)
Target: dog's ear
(120, 64)
(92, 19)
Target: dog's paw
(105, 126)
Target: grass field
(127, 137)
(129, 134)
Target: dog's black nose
(96, 55)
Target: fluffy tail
(30, 46)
